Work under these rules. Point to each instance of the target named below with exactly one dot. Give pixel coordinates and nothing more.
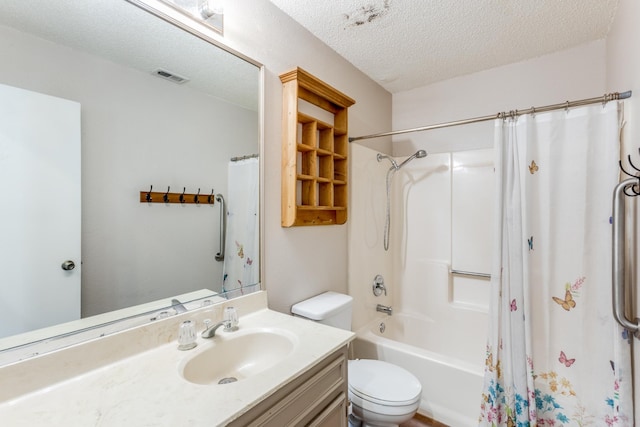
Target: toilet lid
(383, 382)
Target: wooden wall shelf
(314, 153)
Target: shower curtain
(555, 356)
(241, 269)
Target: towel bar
(470, 274)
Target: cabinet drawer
(301, 403)
(334, 415)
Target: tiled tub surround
(133, 377)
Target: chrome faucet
(210, 330)
(384, 309)
(177, 306)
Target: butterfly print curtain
(242, 248)
(555, 356)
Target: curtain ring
(566, 108)
(533, 111)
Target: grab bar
(617, 284)
(223, 226)
(471, 274)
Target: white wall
(300, 262)
(367, 257)
(571, 74)
(623, 67)
(132, 252)
(623, 73)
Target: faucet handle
(230, 316)
(187, 335)
(378, 285)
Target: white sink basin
(235, 356)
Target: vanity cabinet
(316, 398)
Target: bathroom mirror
(159, 106)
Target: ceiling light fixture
(209, 12)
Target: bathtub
(451, 375)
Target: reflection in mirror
(209, 12)
(149, 105)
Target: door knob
(68, 265)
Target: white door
(39, 210)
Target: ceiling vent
(167, 75)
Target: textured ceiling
(125, 34)
(404, 44)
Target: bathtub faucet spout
(384, 309)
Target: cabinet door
(334, 415)
(316, 397)
(40, 227)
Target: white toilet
(381, 394)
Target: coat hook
(631, 190)
(195, 198)
(166, 195)
(210, 197)
(182, 195)
(149, 199)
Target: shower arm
(394, 164)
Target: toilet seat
(382, 383)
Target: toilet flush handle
(378, 285)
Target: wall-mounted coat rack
(151, 196)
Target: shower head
(418, 154)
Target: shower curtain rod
(503, 115)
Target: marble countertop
(106, 383)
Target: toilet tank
(329, 308)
